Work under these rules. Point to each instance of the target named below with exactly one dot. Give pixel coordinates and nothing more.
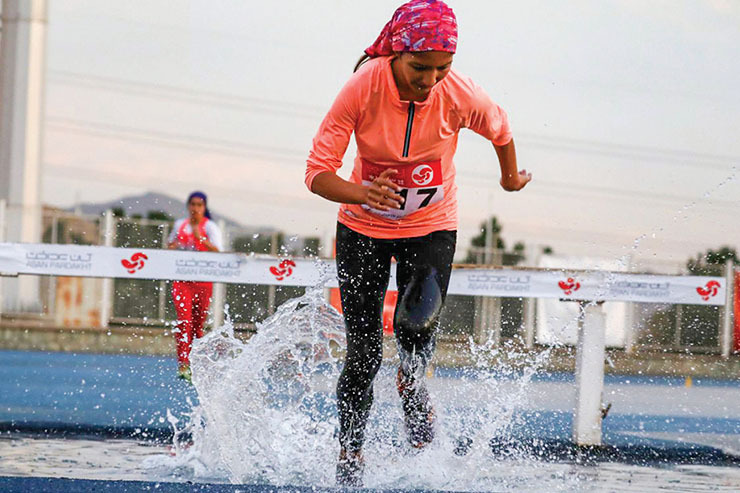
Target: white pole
(533, 258)
(494, 304)
(327, 251)
(271, 288)
(479, 316)
(529, 320)
(630, 335)
(3, 206)
(2, 239)
(162, 295)
(22, 63)
(219, 288)
(491, 323)
(106, 301)
(327, 244)
(727, 313)
(589, 375)
(52, 291)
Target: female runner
(196, 232)
(406, 106)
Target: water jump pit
(261, 416)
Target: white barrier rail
(584, 286)
(236, 268)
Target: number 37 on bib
(421, 185)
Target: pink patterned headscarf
(418, 25)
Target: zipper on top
(409, 124)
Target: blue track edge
(62, 485)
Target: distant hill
(152, 201)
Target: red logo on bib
(409, 175)
(422, 175)
(136, 262)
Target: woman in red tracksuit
(197, 233)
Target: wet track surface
(100, 422)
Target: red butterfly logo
(709, 291)
(283, 270)
(136, 262)
(569, 285)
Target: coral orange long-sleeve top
(418, 139)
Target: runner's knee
(418, 310)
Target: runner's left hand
(516, 182)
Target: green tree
(258, 243)
(311, 246)
(512, 257)
(65, 234)
(699, 324)
(711, 263)
(511, 308)
(479, 240)
(138, 298)
(158, 216)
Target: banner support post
(727, 312)
(3, 204)
(590, 356)
(106, 301)
(219, 288)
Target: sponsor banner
(235, 268)
(144, 263)
(588, 286)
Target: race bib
(421, 185)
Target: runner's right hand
(381, 194)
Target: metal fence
(142, 302)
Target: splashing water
(264, 410)
(681, 214)
(267, 411)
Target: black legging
(363, 267)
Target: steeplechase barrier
(590, 288)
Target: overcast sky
(626, 112)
